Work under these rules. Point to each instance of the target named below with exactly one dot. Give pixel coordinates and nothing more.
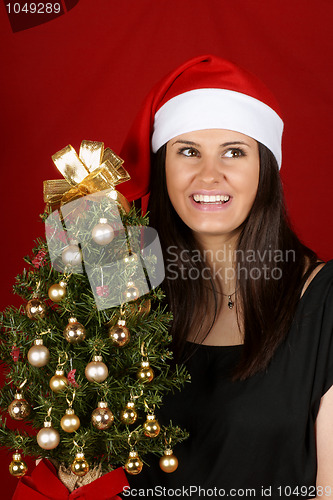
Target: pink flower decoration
(71, 378)
(39, 260)
(52, 233)
(102, 291)
(15, 353)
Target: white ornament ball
(48, 438)
(71, 255)
(96, 370)
(38, 354)
(102, 233)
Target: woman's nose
(211, 170)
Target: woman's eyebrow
(234, 143)
(225, 144)
(188, 143)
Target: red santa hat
(206, 92)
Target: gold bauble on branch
(119, 334)
(102, 233)
(169, 461)
(80, 466)
(96, 370)
(48, 438)
(134, 464)
(57, 291)
(58, 382)
(130, 259)
(129, 415)
(102, 417)
(70, 422)
(145, 373)
(74, 332)
(35, 309)
(38, 354)
(131, 292)
(151, 427)
(142, 309)
(19, 408)
(17, 466)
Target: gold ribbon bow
(94, 169)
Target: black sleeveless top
(256, 435)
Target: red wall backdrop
(83, 75)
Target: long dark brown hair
(267, 305)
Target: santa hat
(205, 92)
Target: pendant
(230, 302)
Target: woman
(252, 306)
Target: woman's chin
(209, 231)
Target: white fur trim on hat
(202, 109)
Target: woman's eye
(234, 153)
(190, 152)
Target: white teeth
(200, 198)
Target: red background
(84, 74)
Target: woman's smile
(210, 201)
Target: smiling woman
(253, 315)
(203, 165)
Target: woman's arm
(324, 440)
(324, 433)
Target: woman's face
(212, 179)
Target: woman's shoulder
(322, 269)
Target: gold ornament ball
(134, 464)
(130, 259)
(48, 438)
(38, 354)
(74, 332)
(142, 309)
(17, 467)
(19, 408)
(129, 415)
(168, 462)
(57, 291)
(35, 309)
(70, 422)
(131, 292)
(80, 466)
(151, 427)
(96, 370)
(102, 417)
(145, 373)
(119, 334)
(58, 382)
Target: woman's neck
(218, 252)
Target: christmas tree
(87, 355)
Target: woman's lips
(210, 203)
